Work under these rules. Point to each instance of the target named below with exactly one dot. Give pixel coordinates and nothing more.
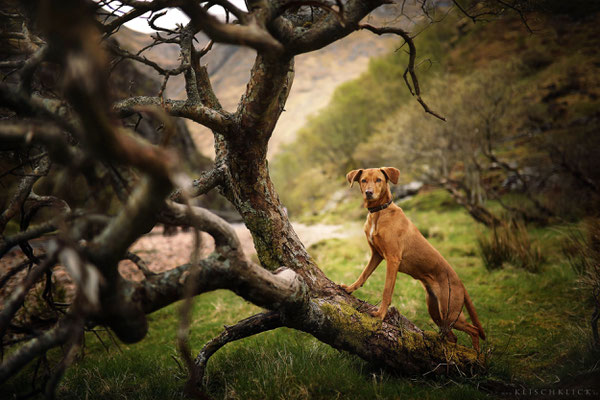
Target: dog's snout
(369, 193)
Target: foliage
(425, 148)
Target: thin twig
(141, 264)
(410, 69)
(17, 296)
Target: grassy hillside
(317, 75)
(534, 97)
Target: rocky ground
(162, 252)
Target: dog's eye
(364, 181)
(378, 180)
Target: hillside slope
(522, 119)
(317, 75)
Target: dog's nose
(369, 193)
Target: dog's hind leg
(434, 312)
(462, 325)
(432, 306)
(450, 303)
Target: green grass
(535, 323)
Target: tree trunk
(476, 210)
(329, 314)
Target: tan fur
(393, 237)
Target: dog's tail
(473, 314)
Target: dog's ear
(353, 176)
(391, 173)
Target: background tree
(492, 148)
(458, 156)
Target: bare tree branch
(245, 328)
(138, 8)
(39, 345)
(410, 69)
(201, 185)
(282, 290)
(74, 344)
(115, 49)
(18, 294)
(30, 66)
(217, 120)
(23, 191)
(141, 264)
(325, 31)
(266, 93)
(251, 32)
(33, 107)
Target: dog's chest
(371, 229)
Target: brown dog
(393, 237)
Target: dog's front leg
(375, 260)
(390, 281)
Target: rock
(406, 190)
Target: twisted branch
(410, 69)
(250, 326)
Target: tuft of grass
(510, 243)
(495, 250)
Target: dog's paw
(347, 289)
(378, 314)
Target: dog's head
(373, 181)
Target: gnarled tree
(75, 127)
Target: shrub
(582, 250)
(494, 249)
(510, 243)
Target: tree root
(245, 328)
